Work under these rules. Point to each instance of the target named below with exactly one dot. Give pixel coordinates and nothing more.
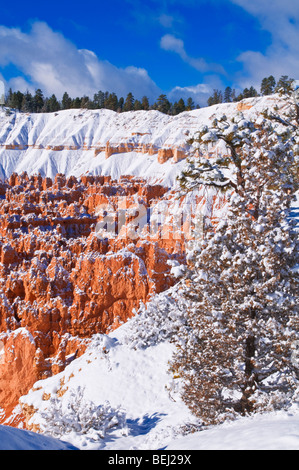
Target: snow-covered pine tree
(237, 355)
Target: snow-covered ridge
(72, 142)
(134, 377)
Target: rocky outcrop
(243, 106)
(77, 256)
(19, 363)
(163, 154)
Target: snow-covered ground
(129, 369)
(137, 381)
(90, 129)
(19, 439)
(133, 380)
(273, 431)
(263, 432)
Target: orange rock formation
(76, 258)
(60, 281)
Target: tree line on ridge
(38, 103)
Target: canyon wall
(77, 256)
(66, 272)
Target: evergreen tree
(216, 98)
(178, 107)
(46, 107)
(76, 103)
(268, 85)
(85, 102)
(15, 99)
(66, 102)
(145, 103)
(137, 105)
(227, 95)
(111, 102)
(252, 92)
(120, 104)
(162, 104)
(284, 85)
(249, 93)
(27, 103)
(106, 97)
(53, 104)
(190, 104)
(98, 100)
(175, 109)
(246, 93)
(236, 357)
(38, 101)
(8, 99)
(129, 103)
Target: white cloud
(270, 8)
(166, 20)
(281, 20)
(171, 43)
(199, 93)
(51, 62)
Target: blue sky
(177, 47)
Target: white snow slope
(137, 381)
(19, 439)
(90, 129)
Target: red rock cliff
(60, 281)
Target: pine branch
(283, 121)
